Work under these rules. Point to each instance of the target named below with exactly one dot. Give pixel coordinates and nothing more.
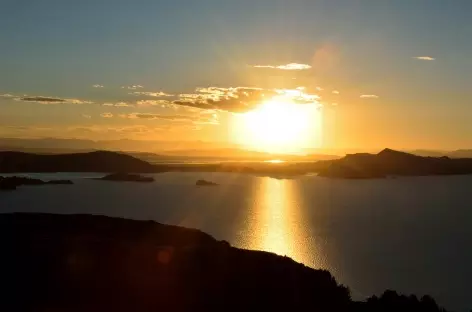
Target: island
(96, 263)
(205, 183)
(389, 162)
(11, 183)
(126, 177)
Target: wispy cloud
(118, 104)
(195, 119)
(106, 115)
(154, 94)
(290, 66)
(27, 129)
(7, 95)
(51, 100)
(132, 87)
(335, 92)
(150, 116)
(86, 116)
(98, 86)
(424, 58)
(369, 96)
(162, 103)
(132, 131)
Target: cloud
(150, 116)
(214, 90)
(123, 104)
(335, 92)
(51, 100)
(424, 58)
(134, 129)
(106, 115)
(98, 86)
(29, 129)
(118, 104)
(154, 94)
(234, 100)
(241, 99)
(199, 119)
(7, 95)
(290, 66)
(162, 103)
(86, 116)
(319, 89)
(369, 96)
(133, 87)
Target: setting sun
(280, 125)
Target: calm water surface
(413, 235)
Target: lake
(413, 235)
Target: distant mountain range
(361, 165)
(157, 151)
(461, 153)
(152, 151)
(55, 145)
(104, 161)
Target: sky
(368, 73)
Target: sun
(279, 126)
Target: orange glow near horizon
(279, 126)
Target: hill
(389, 162)
(96, 263)
(99, 161)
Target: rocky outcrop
(97, 263)
(126, 177)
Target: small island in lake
(126, 177)
(205, 183)
(11, 183)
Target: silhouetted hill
(390, 162)
(11, 183)
(81, 162)
(96, 263)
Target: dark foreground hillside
(95, 263)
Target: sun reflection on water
(276, 237)
(278, 223)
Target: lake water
(413, 235)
